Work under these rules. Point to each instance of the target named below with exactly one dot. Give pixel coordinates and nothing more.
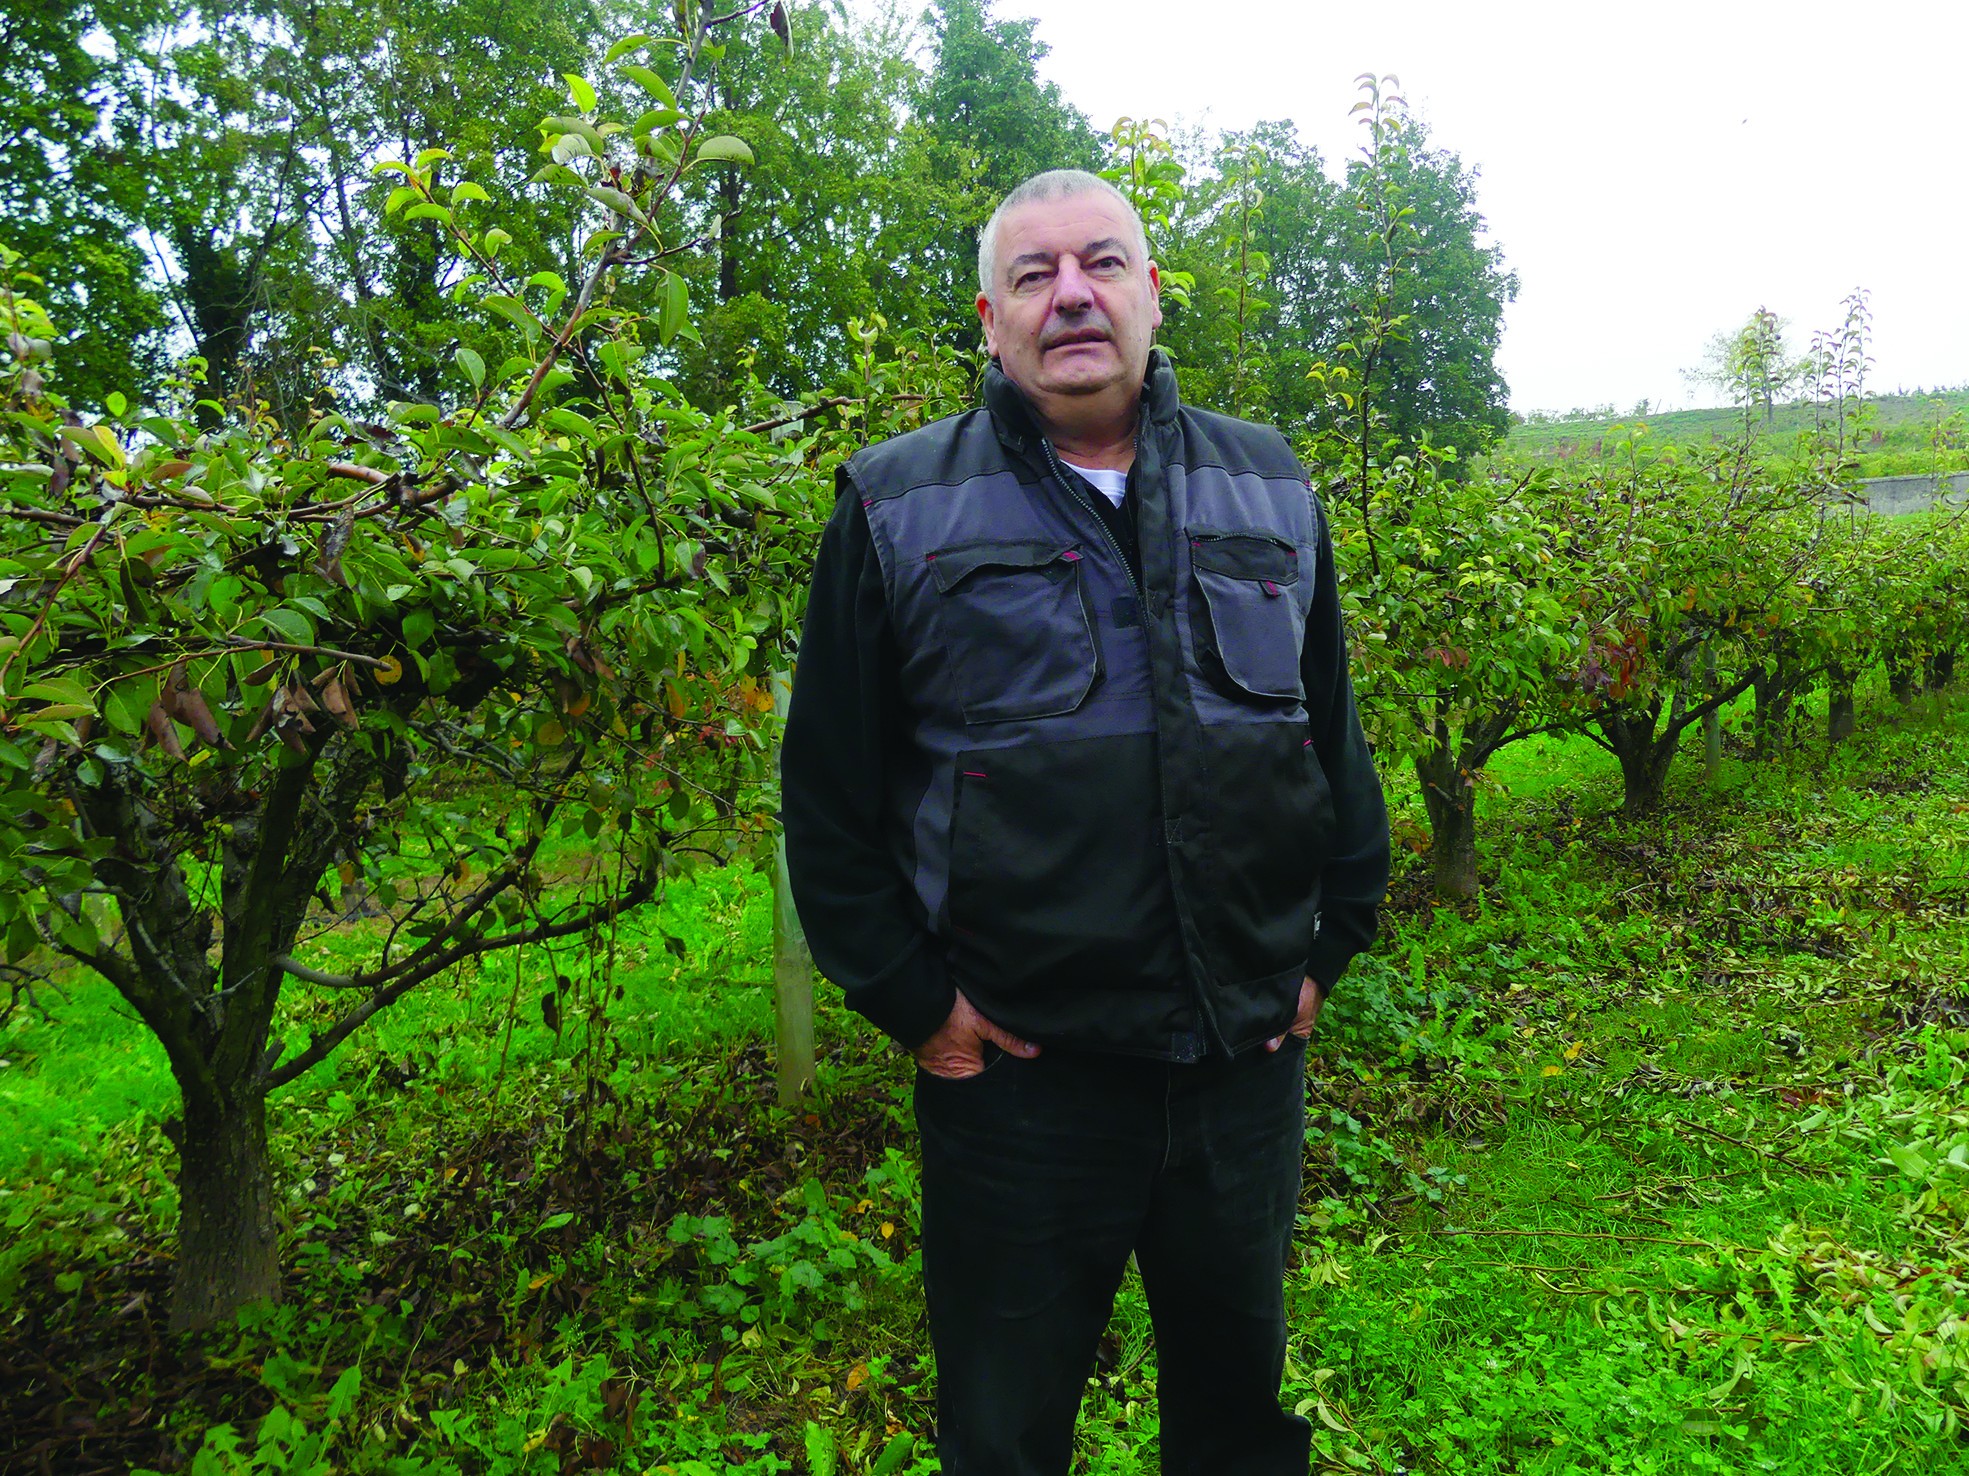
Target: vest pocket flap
(952, 566)
(1255, 556)
(1246, 618)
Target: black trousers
(1039, 1177)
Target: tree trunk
(1900, 680)
(730, 248)
(1773, 691)
(1451, 797)
(1941, 669)
(1644, 759)
(228, 1250)
(1839, 705)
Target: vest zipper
(1187, 1054)
(1067, 486)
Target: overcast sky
(1654, 173)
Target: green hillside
(1906, 432)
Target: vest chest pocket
(1015, 622)
(1247, 613)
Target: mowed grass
(1654, 1160)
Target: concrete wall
(1914, 494)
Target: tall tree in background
(64, 180)
(1439, 374)
(800, 237)
(1296, 235)
(1321, 259)
(987, 122)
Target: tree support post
(1712, 725)
(793, 964)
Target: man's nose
(1071, 289)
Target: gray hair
(1054, 184)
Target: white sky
(1654, 173)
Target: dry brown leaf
(335, 698)
(164, 730)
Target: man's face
(1073, 310)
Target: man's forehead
(1066, 224)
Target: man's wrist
(911, 1002)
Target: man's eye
(1028, 279)
(1107, 264)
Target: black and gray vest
(1111, 810)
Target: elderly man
(1079, 811)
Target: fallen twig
(1769, 1153)
(1582, 1235)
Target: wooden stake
(793, 964)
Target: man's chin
(1086, 376)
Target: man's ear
(990, 327)
(1155, 291)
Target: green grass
(1898, 442)
(1654, 1160)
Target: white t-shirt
(1111, 484)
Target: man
(1078, 809)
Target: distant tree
(1261, 233)
(1752, 365)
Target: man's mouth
(1078, 336)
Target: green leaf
(512, 310)
(895, 1455)
(288, 625)
(427, 157)
(428, 211)
(572, 423)
(654, 85)
(617, 201)
(62, 690)
(493, 240)
(1910, 1160)
(674, 314)
(822, 1453)
(626, 45)
(556, 127)
(127, 702)
(724, 146)
(466, 190)
(579, 89)
(342, 1397)
(472, 364)
(555, 1222)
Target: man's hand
(957, 1050)
(1310, 1000)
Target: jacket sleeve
(862, 919)
(1356, 875)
